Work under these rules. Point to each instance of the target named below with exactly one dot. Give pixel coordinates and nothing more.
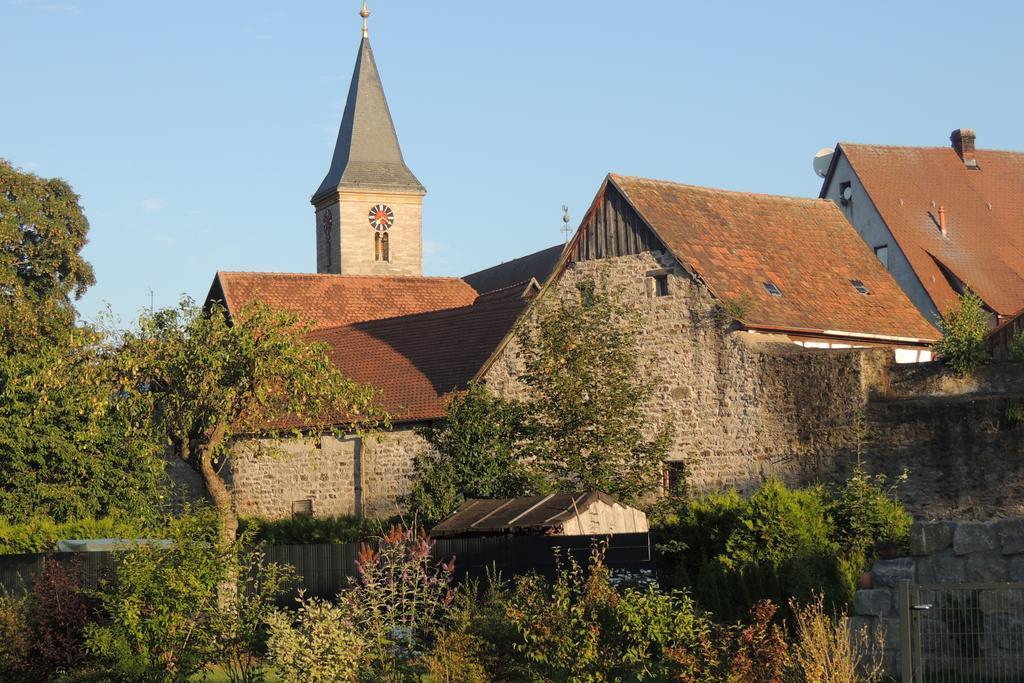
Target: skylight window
(772, 289)
(859, 286)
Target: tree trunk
(224, 504)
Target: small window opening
(882, 253)
(661, 285)
(772, 289)
(845, 192)
(657, 283)
(674, 478)
(302, 508)
(859, 286)
(381, 248)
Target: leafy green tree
(584, 425)
(965, 328)
(209, 380)
(71, 447)
(42, 231)
(473, 455)
(581, 425)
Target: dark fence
(323, 569)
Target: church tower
(369, 205)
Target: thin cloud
(153, 204)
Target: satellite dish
(822, 160)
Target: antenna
(565, 222)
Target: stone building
(767, 322)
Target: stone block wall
(952, 552)
(343, 476)
(743, 407)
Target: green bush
(777, 544)
(1017, 346)
(303, 530)
(965, 328)
(40, 534)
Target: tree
(581, 425)
(473, 454)
(584, 424)
(209, 379)
(42, 231)
(72, 447)
(964, 328)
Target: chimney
(942, 219)
(963, 144)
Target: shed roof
(739, 243)
(509, 514)
(984, 216)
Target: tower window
(381, 246)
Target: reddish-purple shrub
(57, 615)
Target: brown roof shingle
(332, 300)
(417, 361)
(984, 216)
(737, 241)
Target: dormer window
(772, 289)
(859, 286)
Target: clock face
(381, 217)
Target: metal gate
(955, 632)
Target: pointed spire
(364, 13)
(367, 154)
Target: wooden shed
(560, 514)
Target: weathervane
(565, 222)
(364, 13)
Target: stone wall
(954, 553)
(743, 406)
(343, 476)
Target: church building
(767, 320)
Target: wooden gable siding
(613, 228)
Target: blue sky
(195, 132)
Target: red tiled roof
(737, 241)
(417, 361)
(984, 216)
(332, 300)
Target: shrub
(159, 608)
(320, 644)
(866, 513)
(1017, 346)
(303, 530)
(40, 534)
(58, 612)
(398, 600)
(828, 650)
(580, 628)
(964, 328)
(15, 638)
(778, 543)
(240, 630)
(390, 614)
(758, 651)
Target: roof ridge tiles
(350, 276)
(719, 190)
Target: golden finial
(364, 13)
